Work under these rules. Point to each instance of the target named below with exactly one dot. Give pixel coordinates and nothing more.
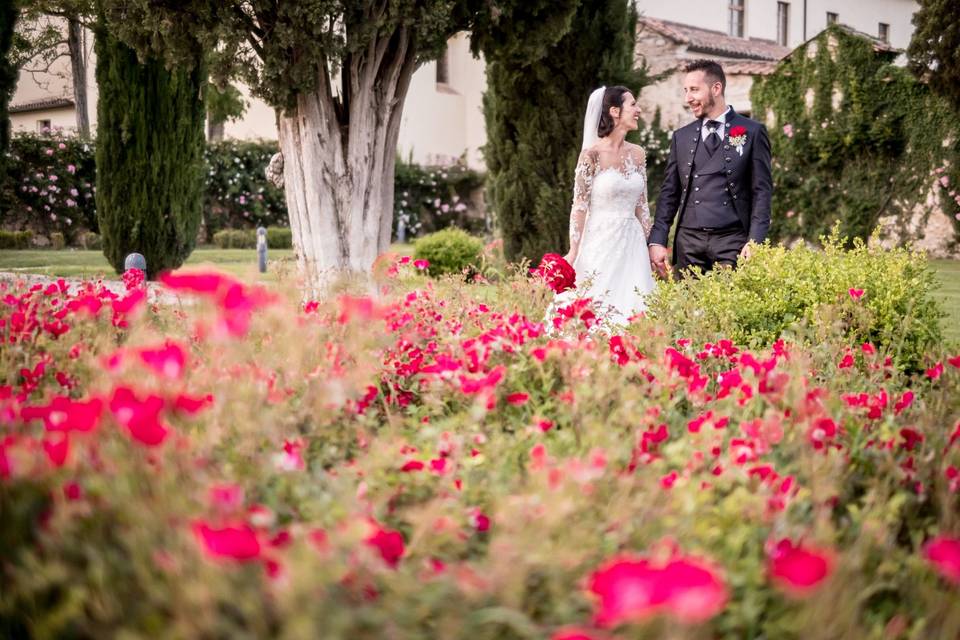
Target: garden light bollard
(262, 249)
(135, 261)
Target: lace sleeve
(642, 210)
(582, 185)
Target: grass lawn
(77, 263)
(948, 272)
(242, 262)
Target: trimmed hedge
(16, 239)
(863, 295)
(277, 238)
(451, 250)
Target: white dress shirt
(722, 119)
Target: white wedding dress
(609, 223)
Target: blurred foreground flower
(633, 589)
(799, 570)
(944, 554)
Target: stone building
(666, 46)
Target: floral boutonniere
(738, 137)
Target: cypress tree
(9, 12)
(934, 49)
(534, 113)
(150, 142)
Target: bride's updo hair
(612, 97)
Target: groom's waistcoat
(711, 201)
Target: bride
(610, 217)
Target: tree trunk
(339, 163)
(78, 69)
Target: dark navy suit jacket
(747, 181)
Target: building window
(783, 23)
(43, 126)
(832, 18)
(736, 18)
(443, 68)
(884, 32)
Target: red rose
(737, 131)
(557, 272)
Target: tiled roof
(750, 67)
(878, 44)
(39, 105)
(716, 42)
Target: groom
(717, 179)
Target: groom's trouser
(707, 248)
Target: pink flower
(944, 554)
(423, 265)
(65, 414)
(412, 465)
(168, 360)
(57, 450)
(237, 543)
(191, 405)
(632, 589)
(518, 399)
(479, 520)
(226, 498)
(140, 417)
(856, 294)
(291, 459)
(799, 570)
(389, 543)
(788, 130)
(576, 633)
(935, 371)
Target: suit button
(696, 175)
(726, 146)
(696, 202)
(729, 171)
(731, 184)
(724, 203)
(734, 196)
(727, 159)
(696, 188)
(691, 150)
(689, 164)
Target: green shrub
(49, 185)
(15, 239)
(91, 241)
(427, 199)
(279, 238)
(779, 289)
(237, 193)
(235, 239)
(449, 251)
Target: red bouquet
(557, 272)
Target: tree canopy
(935, 47)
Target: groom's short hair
(711, 69)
